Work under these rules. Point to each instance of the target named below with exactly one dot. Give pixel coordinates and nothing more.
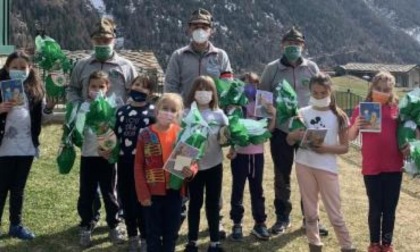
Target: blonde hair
(172, 97)
(207, 83)
(325, 81)
(383, 76)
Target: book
(182, 156)
(12, 91)
(313, 136)
(371, 112)
(262, 99)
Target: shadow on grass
(250, 242)
(68, 240)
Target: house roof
(373, 67)
(144, 61)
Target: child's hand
(51, 102)
(271, 110)
(232, 154)
(146, 203)
(320, 149)
(5, 107)
(104, 153)
(186, 172)
(361, 123)
(297, 135)
(405, 150)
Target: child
(130, 119)
(20, 127)
(94, 170)
(316, 168)
(381, 167)
(248, 163)
(209, 176)
(154, 146)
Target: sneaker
(191, 247)
(280, 227)
(94, 224)
(323, 231)
(222, 232)
(260, 231)
(116, 236)
(237, 234)
(375, 247)
(387, 248)
(217, 248)
(143, 245)
(133, 244)
(21, 232)
(85, 237)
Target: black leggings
(211, 180)
(14, 172)
(383, 192)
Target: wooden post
(5, 7)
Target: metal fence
(347, 101)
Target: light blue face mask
(18, 74)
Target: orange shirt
(167, 139)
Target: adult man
(297, 71)
(120, 72)
(200, 57)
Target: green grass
(358, 86)
(50, 211)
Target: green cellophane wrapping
(238, 134)
(406, 132)
(50, 56)
(415, 156)
(296, 123)
(54, 90)
(101, 119)
(409, 106)
(231, 92)
(66, 157)
(243, 132)
(286, 102)
(194, 132)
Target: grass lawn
(358, 86)
(50, 211)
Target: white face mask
(200, 36)
(320, 103)
(203, 97)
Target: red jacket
(150, 177)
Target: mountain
(336, 31)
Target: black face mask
(138, 96)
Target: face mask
(95, 94)
(203, 97)
(250, 91)
(320, 103)
(104, 52)
(292, 52)
(380, 97)
(165, 117)
(138, 96)
(200, 36)
(18, 74)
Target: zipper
(199, 65)
(294, 79)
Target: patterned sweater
(150, 177)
